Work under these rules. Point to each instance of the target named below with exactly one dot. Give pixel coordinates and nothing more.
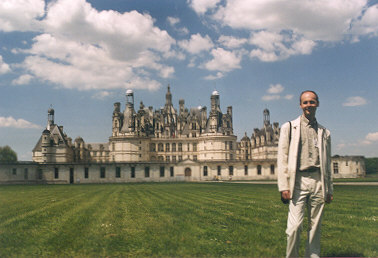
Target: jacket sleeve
(282, 158)
(328, 173)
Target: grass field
(174, 219)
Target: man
(304, 174)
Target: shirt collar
(304, 120)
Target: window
(219, 168)
(246, 170)
(180, 158)
(26, 173)
(146, 171)
(231, 156)
(152, 147)
(171, 170)
(194, 135)
(335, 168)
(204, 170)
(162, 171)
(259, 169)
(174, 158)
(132, 172)
(230, 145)
(231, 170)
(40, 174)
(56, 173)
(86, 172)
(102, 172)
(168, 158)
(167, 147)
(14, 171)
(272, 169)
(180, 146)
(118, 172)
(160, 147)
(173, 147)
(194, 157)
(194, 146)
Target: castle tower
(169, 113)
(50, 118)
(215, 113)
(266, 114)
(215, 103)
(129, 113)
(45, 144)
(117, 119)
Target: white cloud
(218, 75)
(21, 15)
(223, 60)
(173, 21)
(289, 96)
(370, 139)
(274, 93)
(273, 46)
(367, 24)
(275, 89)
(270, 97)
(4, 67)
(314, 19)
(101, 95)
(17, 123)
(23, 79)
(355, 101)
(231, 42)
(373, 137)
(202, 6)
(115, 48)
(196, 44)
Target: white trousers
(307, 192)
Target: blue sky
(80, 57)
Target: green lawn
(174, 219)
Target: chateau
(160, 145)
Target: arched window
(259, 169)
(167, 148)
(272, 169)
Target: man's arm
(282, 162)
(328, 173)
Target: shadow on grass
(344, 254)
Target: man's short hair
(303, 92)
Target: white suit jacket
(287, 158)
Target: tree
(371, 165)
(7, 155)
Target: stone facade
(348, 166)
(160, 145)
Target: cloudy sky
(80, 57)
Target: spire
(266, 114)
(50, 117)
(168, 97)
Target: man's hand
(285, 195)
(329, 198)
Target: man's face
(309, 104)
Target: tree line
(7, 155)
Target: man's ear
(317, 104)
